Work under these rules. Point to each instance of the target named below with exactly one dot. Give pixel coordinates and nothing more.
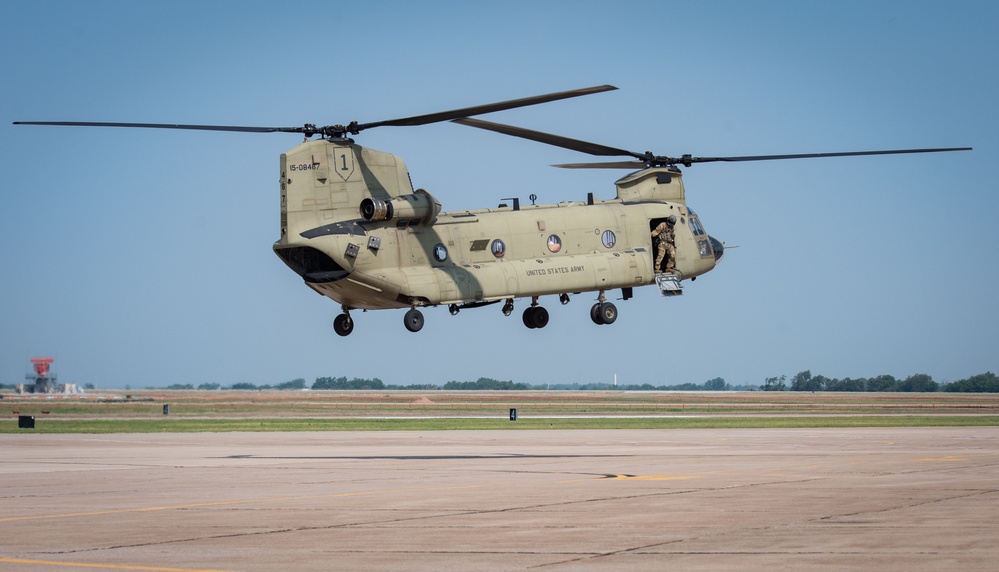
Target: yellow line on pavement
(233, 502)
(105, 566)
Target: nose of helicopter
(718, 247)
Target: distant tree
(415, 386)
(982, 383)
(802, 381)
(485, 383)
(244, 386)
(775, 384)
(846, 384)
(682, 387)
(882, 383)
(821, 383)
(716, 384)
(642, 387)
(291, 385)
(209, 386)
(89, 386)
(330, 383)
(918, 382)
(344, 383)
(373, 383)
(180, 386)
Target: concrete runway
(798, 499)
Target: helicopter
(355, 229)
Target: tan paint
(324, 183)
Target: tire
(539, 317)
(608, 313)
(413, 320)
(343, 325)
(595, 314)
(529, 317)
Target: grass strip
(180, 425)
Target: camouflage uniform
(666, 247)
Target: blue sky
(143, 257)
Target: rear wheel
(529, 318)
(413, 320)
(536, 317)
(608, 313)
(595, 314)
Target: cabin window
(608, 239)
(440, 253)
(554, 243)
(498, 248)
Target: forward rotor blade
(487, 108)
(549, 139)
(354, 127)
(167, 126)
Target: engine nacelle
(421, 206)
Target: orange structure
(42, 365)
(43, 380)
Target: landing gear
(603, 312)
(343, 325)
(563, 299)
(413, 320)
(535, 317)
(453, 309)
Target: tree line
(802, 381)
(920, 382)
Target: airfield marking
(648, 477)
(235, 502)
(107, 566)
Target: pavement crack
(909, 505)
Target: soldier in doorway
(665, 244)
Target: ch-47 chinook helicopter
(356, 231)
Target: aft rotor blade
(549, 139)
(688, 159)
(611, 165)
(167, 126)
(487, 108)
(650, 160)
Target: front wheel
(343, 325)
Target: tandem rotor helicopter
(356, 231)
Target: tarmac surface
(717, 499)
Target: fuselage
(356, 231)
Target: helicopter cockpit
(707, 245)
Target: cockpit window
(695, 226)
